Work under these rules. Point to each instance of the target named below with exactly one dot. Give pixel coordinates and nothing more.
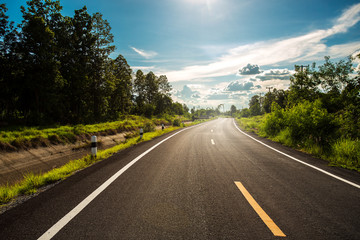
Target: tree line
(57, 69)
(321, 109)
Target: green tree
(101, 32)
(254, 105)
(245, 113)
(268, 100)
(151, 88)
(164, 85)
(41, 81)
(9, 65)
(118, 87)
(232, 110)
(140, 91)
(76, 58)
(177, 108)
(303, 86)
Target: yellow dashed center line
(266, 219)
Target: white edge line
(295, 159)
(51, 232)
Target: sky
(224, 51)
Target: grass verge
(343, 153)
(16, 138)
(32, 182)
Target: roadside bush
(309, 122)
(346, 152)
(149, 127)
(274, 122)
(176, 122)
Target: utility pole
(302, 68)
(269, 88)
(260, 101)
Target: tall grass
(346, 152)
(251, 124)
(343, 152)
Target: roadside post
(162, 126)
(141, 133)
(93, 146)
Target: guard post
(141, 133)
(93, 146)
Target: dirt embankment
(14, 164)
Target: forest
(57, 69)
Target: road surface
(206, 182)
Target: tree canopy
(57, 69)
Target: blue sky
(202, 44)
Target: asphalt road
(188, 187)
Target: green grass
(346, 153)
(250, 124)
(23, 137)
(343, 153)
(32, 182)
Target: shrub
(149, 127)
(176, 122)
(274, 122)
(309, 121)
(346, 152)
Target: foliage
(25, 137)
(176, 122)
(346, 152)
(319, 113)
(59, 70)
(274, 122)
(254, 106)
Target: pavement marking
(67, 218)
(262, 214)
(212, 142)
(295, 159)
(212, 130)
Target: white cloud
(310, 46)
(281, 74)
(143, 53)
(250, 70)
(239, 86)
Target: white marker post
(93, 146)
(141, 133)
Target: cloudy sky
(224, 51)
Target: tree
(8, 65)
(120, 87)
(303, 86)
(101, 32)
(140, 91)
(254, 105)
(76, 58)
(164, 85)
(41, 79)
(232, 109)
(186, 109)
(245, 113)
(177, 108)
(151, 88)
